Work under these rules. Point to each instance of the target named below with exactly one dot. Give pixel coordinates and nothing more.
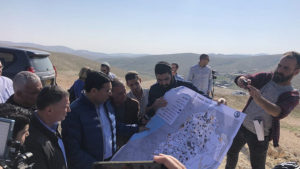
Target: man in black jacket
(89, 130)
(45, 140)
(165, 82)
(126, 112)
(26, 86)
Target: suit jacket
(82, 133)
(127, 117)
(44, 145)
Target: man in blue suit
(89, 130)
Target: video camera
(214, 76)
(11, 156)
(16, 160)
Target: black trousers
(258, 149)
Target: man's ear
(93, 91)
(49, 110)
(140, 80)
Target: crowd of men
(103, 115)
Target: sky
(155, 26)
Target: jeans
(258, 149)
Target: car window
(41, 64)
(6, 58)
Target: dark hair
(19, 114)
(96, 80)
(131, 75)
(116, 83)
(203, 56)
(293, 54)
(163, 67)
(50, 95)
(83, 73)
(177, 66)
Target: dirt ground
(289, 149)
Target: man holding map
(165, 82)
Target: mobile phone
(245, 83)
(127, 165)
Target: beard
(279, 77)
(165, 86)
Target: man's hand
(255, 93)
(144, 121)
(143, 128)
(241, 82)
(159, 103)
(169, 161)
(222, 101)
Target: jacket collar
(39, 126)
(87, 102)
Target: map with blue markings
(192, 128)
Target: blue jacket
(82, 133)
(78, 87)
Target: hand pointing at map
(159, 103)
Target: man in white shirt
(201, 75)
(6, 86)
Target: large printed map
(192, 128)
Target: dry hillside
(68, 67)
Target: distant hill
(62, 49)
(221, 63)
(227, 66)
(67, 62)
(68, 67)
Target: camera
(17, 160)
(214, 76)
(245, 83)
